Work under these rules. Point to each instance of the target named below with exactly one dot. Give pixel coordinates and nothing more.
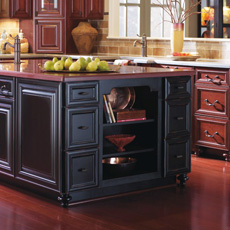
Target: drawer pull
(83, 127)
(179, 156)
(208, 135)
(180, 118)
(83, 93)
(176, 68)
(82, 170)
(3, 90)
(210, 104)
(180, 87)
(212, 79)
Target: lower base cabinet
(61, 142)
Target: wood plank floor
(203, 204)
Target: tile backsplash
(213, 48)
(10, 25)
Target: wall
(213, 48)
(11, 26)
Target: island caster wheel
(65, 199)
(182, 178)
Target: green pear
(92, 66)
(49, 65)
(68, 63)
(63, 59)
(55, 59)
(88, 60)
(82, 63)
(75, 66)
(103, 66)
(97, 60)
(58, 66)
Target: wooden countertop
(30, 69)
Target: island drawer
(82, 127)
(177, 151)
(82, 93)
(178, 112)
(82, 169)
(212, 76)
(178, 87)
(212, 132)
(211, 101)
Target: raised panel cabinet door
(76, 9)
(94, 9)
(4, 9)
(38, 128)
(6, 138)
(49, 36)
(21, 9)
(49, 8)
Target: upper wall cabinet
(16, 9)
(50, 8)
(4, 9)
(21, 9)
(87, 9)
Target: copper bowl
(120, 140)
(119, 166)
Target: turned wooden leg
(227, 156)
(182, 178)
(65, 199)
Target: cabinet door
(49, 8)
(76, 9)
(6, 138)
(21, 9)
(38, 128)
(94, 9)
(49, 36)
(4, 9)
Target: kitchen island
(53, 127)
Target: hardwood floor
(203, 204)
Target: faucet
(17, 49)
(143, 43)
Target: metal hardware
(82, 170)
(4, 90)
(83, 93)
(213, 79)
(179, 156)
(143, 43)
(17, 48)
(180, 87)
(211, 104)
(176, 68)
(208, 135)
(83, 127)
(180, 118)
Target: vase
(177, 37)
(84, 36)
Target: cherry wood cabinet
(94, 9)
(21, 9)
(4, 9)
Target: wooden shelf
(130, 122)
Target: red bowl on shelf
(120, 140)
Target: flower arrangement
(177, 10)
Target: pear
(82, 63)
(55, 59)
(58, 66)
(88, 60)
(103, 66)
(68, 63)
(63, 59)
(75, 66)
(49, 65)
(92, 66)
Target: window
(138, 17)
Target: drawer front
(177, 155)
(82, 169)
(211, 132)
(82, 93)
(6, 87)
(82, 127)
(212, 77)
(178, 86)
(177, 116)
(212, 101)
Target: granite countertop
(30, 69)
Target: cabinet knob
(83, 127)
(210, 104)
(213, 79)
(209, 135)
(82, 170)
(83, 93)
